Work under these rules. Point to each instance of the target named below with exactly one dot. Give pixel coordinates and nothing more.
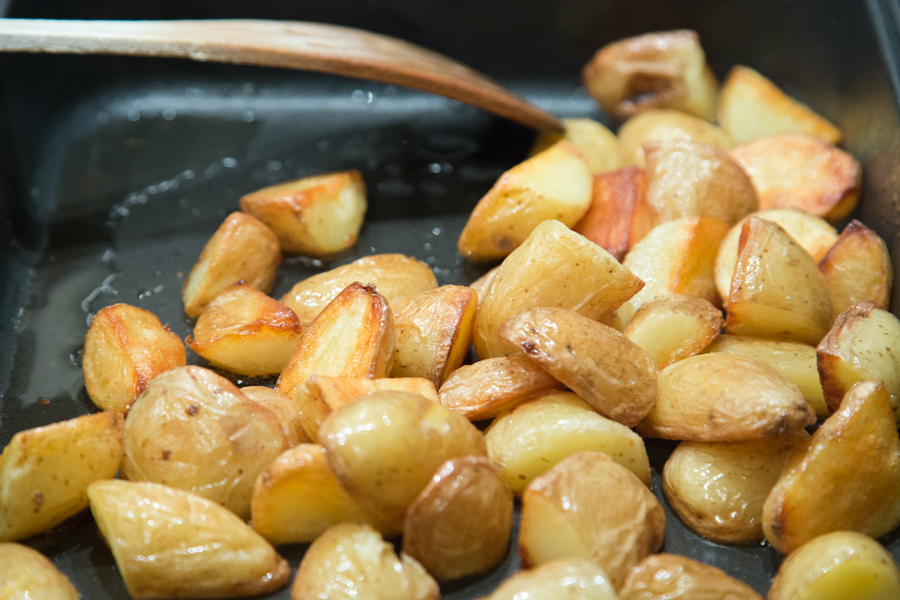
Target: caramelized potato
(126, 347)
(847, 477)
(554, 267)
(45, 472)
(241, 249)
(27, 574)
(656, 70)
(385, 447)
(169, 543)
(724, 398)
(753, 107)
(460, 523)
(571, 578)
(598, 145)
(667, 124)
(393, 275)
(595, 361)
(194, 430)
(318, 215)
(246, 332)
(670, 576)
(353, 561)
(802, 171)
(856, 268)
(282, 407)
(554, 184)
(537, 434)
(673, 327)
(589, 506)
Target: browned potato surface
(569, 578)
(675, 577)
(598, 145)
(27, 574)
(857, 268)
(667, 124)
(126, 347)
(282, 407)
(673, 327)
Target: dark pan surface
(115, 172)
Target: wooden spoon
(287, 44)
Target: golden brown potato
(569, 578)
(838, 565)
(244, 331)
(538, 434)
(241, 249)
(589, 506)
(297, 498)
(724, 398)
(434, 332)
(27, 574)
(595, 361)
(385, 447)
(554, 184)
(673, 327)
(801, 171)
(752, 107)
(126, 347)
(318, 215)
(194, 430)
(777, 288)
(282, 407)
(847, 477)
(671, 576)
(353, 561)
(598, 145)
(655, 70)
(45, 472)
(863, 344)
(719, 488)
(667, 124)
(393, 275)
(858, 267)
(690, 179)
(169, 543)
(460, 523)
(554, 267)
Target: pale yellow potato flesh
(537, 434)
(857, 268)
(851, 466)
(282, 407)
(169, 543)
(45, 472)
(124, 349)
(483, 283)
(667, 124)
(598, 145)
(25, 573)
(569, 578)
(675, 577)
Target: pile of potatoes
(681, 280)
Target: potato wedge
(26, 573)
(569, 578)
(753, 107)
(724, 398)
(434, 332)
(863, 344)
(45, 472)
(483, 283)
(671, 576)
(598, 145)
(851, 465)
(282, 407)
(719, 488)
(667, 124)
(246, 332)
(667, 69)
(589, 506)
(777, 288)
(460, 523)
(802, 171)
(319, 215)
(619, 216)
(843, 564)
(554, 184)
(488, 387)
(297, 498)
(858, 267)
(595, 361)
(194, 430)
(385, 447)
(673, 327)
(169, 543)
(537, 434)
(353, 561)
(124, 349)
(393, 275)
(554, 267)
(241, 249)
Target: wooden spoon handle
(287, 44)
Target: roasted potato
(282, 407)
(27, 574)
(483, 283)
(667, 124)
(671, 577)
(571, 578)
(598, 145)
(857, 268)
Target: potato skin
(598, 145)
(572, 578)
(667, 124)
(671, 576)
(858, 268)
(281, 406)
(27, 574)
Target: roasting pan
(115, 171)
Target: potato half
(27, 574)
(569, 578)
(857, 268)
(667, 124)
(671, 576)
(598, 145)
(282, 407)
